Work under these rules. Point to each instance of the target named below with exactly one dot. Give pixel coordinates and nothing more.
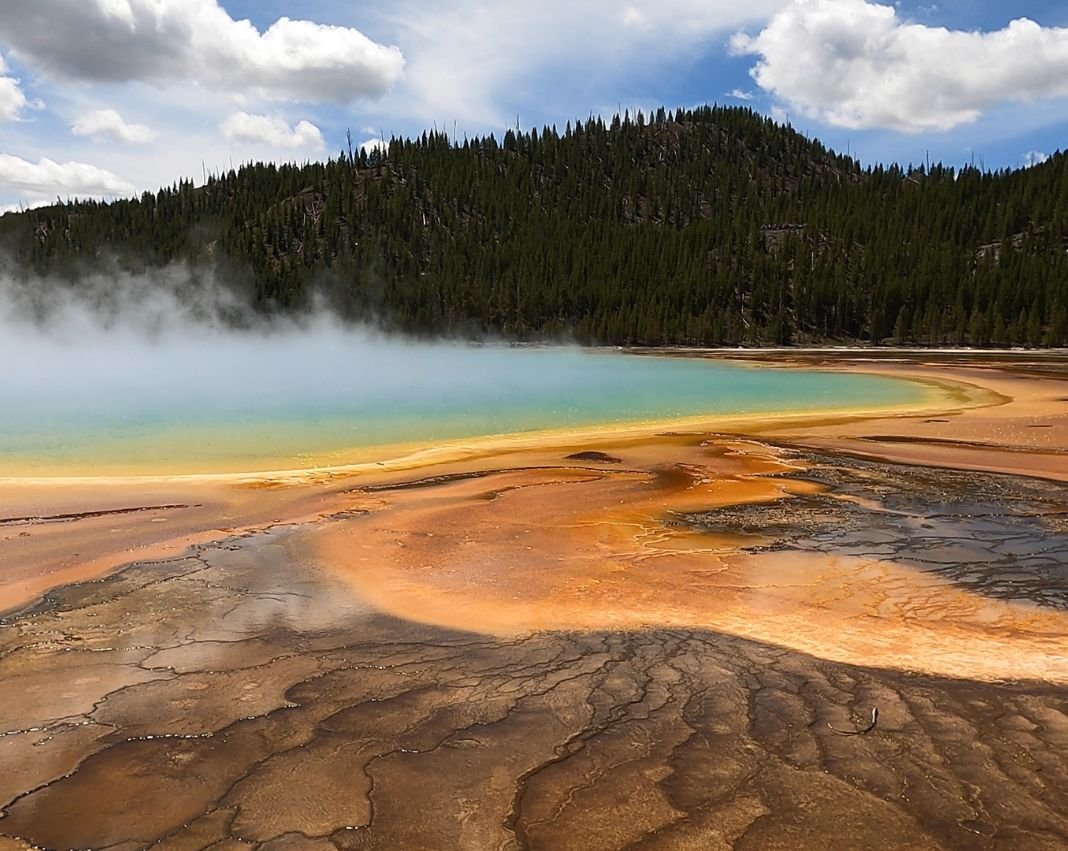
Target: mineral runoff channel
(843, 630)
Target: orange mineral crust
(566, 548)
(844, 630)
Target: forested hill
(704, 227)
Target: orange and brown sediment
(504, 538)
(648, 639)
(55, 530)
(553, 547)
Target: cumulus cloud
(271, 130)
(47, 177)
(740, 94)
(108, 124)
(12, 99)
(1032, 158)
(196, 40)
(857, 64)
(469, 57)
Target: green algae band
(247, 403)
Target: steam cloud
(173, 370)
(180, 332)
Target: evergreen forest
(705, 227)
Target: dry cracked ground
(242, 698)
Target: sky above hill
(103, 98)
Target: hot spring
(107, 404)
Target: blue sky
(100, 98)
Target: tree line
(710, 226)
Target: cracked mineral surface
(695, 640)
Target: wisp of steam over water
(129, 375)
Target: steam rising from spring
(171, 372)
(177, 332)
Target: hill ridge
(710, 226)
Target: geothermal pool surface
(246, 403)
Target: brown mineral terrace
(845, 630)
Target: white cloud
(196, 40)
(271, 130)
(471, 60)
(47, 177)
(12, 100)
(856, 64)
(107, 123)
(740, 94)
(25, 205)
(1032, 158)
(372, 145)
